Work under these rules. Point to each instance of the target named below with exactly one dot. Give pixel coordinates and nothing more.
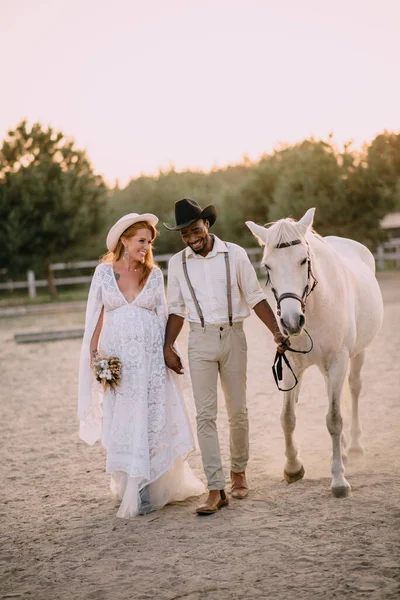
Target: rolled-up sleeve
(247, 279)
(176, 303)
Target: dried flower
(107, 370)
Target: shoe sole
(239, 497)
(205, 513)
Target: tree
(383, 160)
(51, 201)
(291, 180)
(351, 195)
(383, 157)
(367, 200)
(309, 175)
(158, 195)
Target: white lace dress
(144, 425)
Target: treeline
(351, 191)
(54, 207)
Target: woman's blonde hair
(149, 264)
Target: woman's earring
(126, 255)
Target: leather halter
(277, 367)
(307, 290)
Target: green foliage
(159, 194)
(383, 158)
(351, 195)
(350, 192)
(51, 202)
(309, 175)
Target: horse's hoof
(292, 477)
(341, 491)
(356, 451)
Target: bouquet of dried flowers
(107, 370)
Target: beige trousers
(223, 349)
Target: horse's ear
(306, 221)
(258, 231)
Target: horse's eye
(266, 267)
(303, 262)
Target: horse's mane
(282, 232)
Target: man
(213, 284)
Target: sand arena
(60, 538)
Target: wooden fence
(389, 251)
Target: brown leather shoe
(216, 500)
(239, 488)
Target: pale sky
(142, 84)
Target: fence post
(380, 257)
(31, 285)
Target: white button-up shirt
(208, 278)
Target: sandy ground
(60, 538)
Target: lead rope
(277, 367)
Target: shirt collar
(219, 246)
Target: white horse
(328, 286)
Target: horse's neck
(328, 269)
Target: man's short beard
(198, 250)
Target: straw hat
(123, 223)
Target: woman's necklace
(135, 270)
(118, 275)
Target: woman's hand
(172, 360)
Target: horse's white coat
(343, 315)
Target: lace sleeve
(161, 302)
(89, 396)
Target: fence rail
(389, 251)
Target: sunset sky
(143, 84)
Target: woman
(146, 430)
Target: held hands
(282, 342)
(172, 360)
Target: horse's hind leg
(336, 376)
(294, 469)
(355, 382)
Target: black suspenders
(228, 284)
(229, 290)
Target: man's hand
(265, 313)
(172, 360)
(281, 341)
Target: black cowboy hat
(188, 211)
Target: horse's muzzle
(294, 325)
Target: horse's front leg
(294, 469)
(335, 379)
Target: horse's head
(287, 260)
